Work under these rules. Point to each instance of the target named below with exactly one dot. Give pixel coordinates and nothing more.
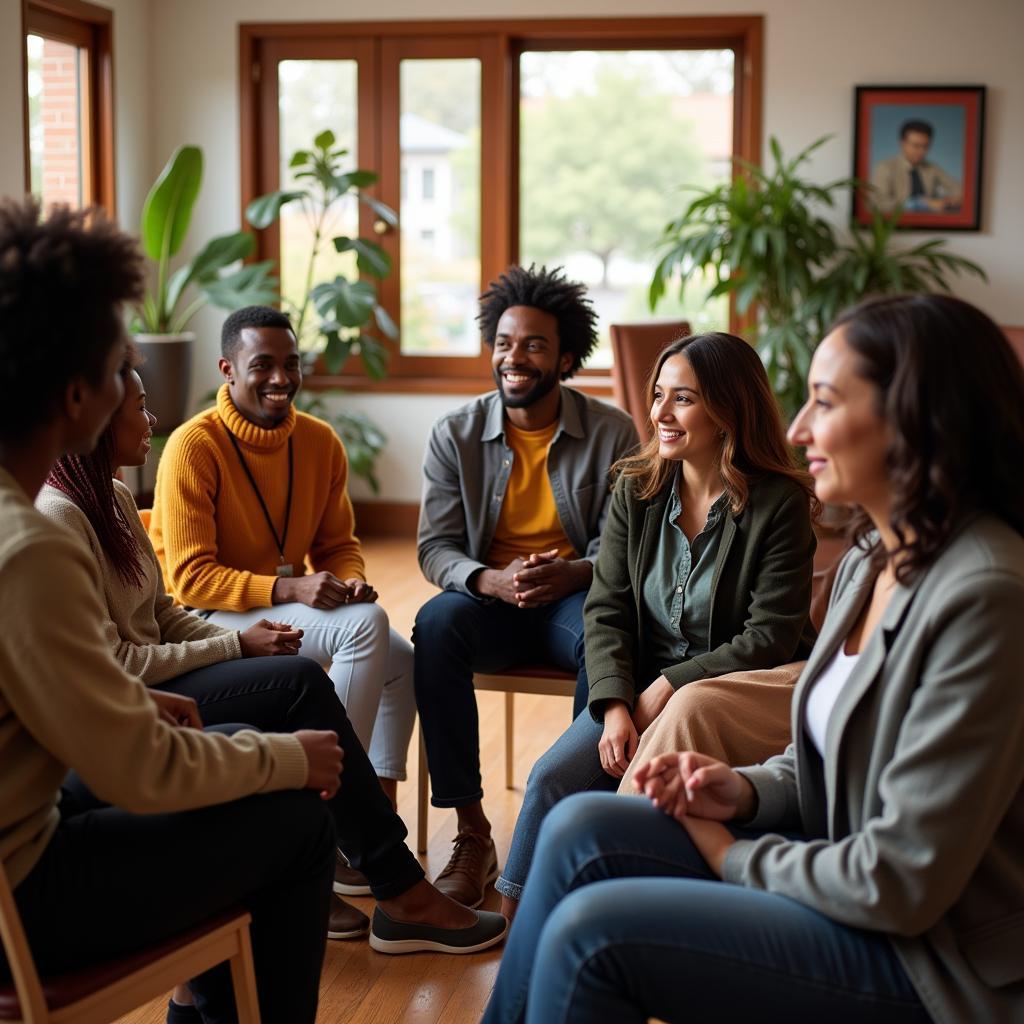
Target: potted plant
(333, 317)
(765, 239)
(161, 320)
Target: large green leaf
(168, 207)
(250, 285)
(218, 253)
(353, 179)
(374, 356)
(264, 210)
(370, 257)
(350, 303)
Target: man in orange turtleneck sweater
(252, 509)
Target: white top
(824, 694)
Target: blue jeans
(623, 920)
(456, 635)
(572, 765)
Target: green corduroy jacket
(760, 592)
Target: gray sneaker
(390, 936)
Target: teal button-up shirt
(677, 585)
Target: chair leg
(243, 977)
(423, 798)
(510, 731)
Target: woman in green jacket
(704, 568)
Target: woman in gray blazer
(875, 870)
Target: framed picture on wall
(919, 149)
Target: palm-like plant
(766, 241)
(166, 216)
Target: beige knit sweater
(150, 636)
(65, 703)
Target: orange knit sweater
(214, 545)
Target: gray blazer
(468, 464)
(914, 824)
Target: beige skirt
(741, 718)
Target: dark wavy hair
(88, 480)
(738, 397)
(952, 392)
(63, 280)
(548, 291)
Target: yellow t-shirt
(528, 521)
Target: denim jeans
(572, 765)
(623, 921)
(456, 635)
(285, 694)
(368, 662)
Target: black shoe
(390, 936)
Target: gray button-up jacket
(466, 470)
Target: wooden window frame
(91, 28)
(499, 44)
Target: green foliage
(345, 311)
(572, 201)
(166, 216)
(764, 239)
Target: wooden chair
(634, 348)
(105, 991)
(542, 679)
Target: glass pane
(315, 95)
(440, 214)
(608, 139)
(55, 74)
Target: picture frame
(919, 147)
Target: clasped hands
(538, 579)
(322, 590)
(700, 792)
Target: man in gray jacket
(515, 494)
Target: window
(69, 103)
(562, 142)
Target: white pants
(369, 664)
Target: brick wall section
(59, 112)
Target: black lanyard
(279, 541)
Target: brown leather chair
(634, 349)
(1015, 335)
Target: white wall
(177, 82)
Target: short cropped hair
(924, 127)
(551, 293)
(249, 316)
(63, 281)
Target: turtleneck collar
(248, 432)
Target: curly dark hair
(249, 316)
(548, 291)
(88, 480)
(952, 391)
(63, 280)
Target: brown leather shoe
(473, 865)
(348, 881)
(346, 921)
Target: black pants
(110, 882)
(456, 635)
(285, 694)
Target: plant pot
(166, 372)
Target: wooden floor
(358, 984)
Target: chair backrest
(1015, 335)
(634, 349)
(19, 956)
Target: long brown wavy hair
(735, 390)
(952, 392)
